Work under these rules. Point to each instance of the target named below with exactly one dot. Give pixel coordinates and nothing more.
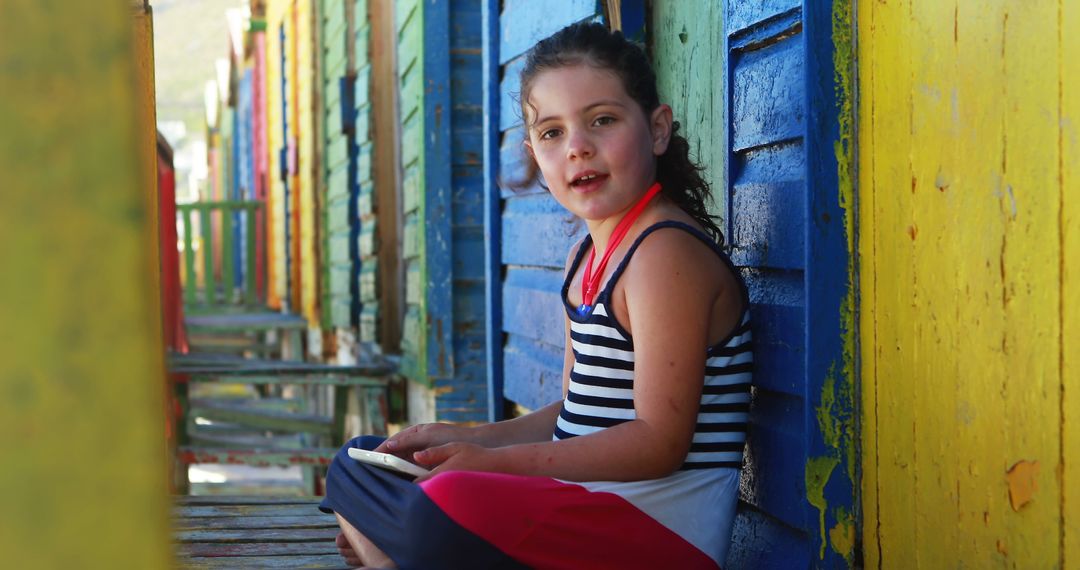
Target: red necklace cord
(591, 281)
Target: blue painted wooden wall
(533, 232)
(466, 400)
(243, 172)
(781, 180)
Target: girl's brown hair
(594, 45)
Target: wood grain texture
(275, 206)
(71, 378)
(339, 220)
(765, 182)
(493, 238)
(250, 532)
(1069, 171)
(965, 256)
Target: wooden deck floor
(254, 532)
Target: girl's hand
(420, 437)
(455, 457)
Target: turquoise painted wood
(408, 21)
(786, 232)
(688, 37)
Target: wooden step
(250, 532)
(257, 457)
(241, 437)
(250, 414)
(221, 322)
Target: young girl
(638, 465)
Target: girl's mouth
(588, 182)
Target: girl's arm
(532, 427)
(671, 288)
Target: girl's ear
(528, 148)
(661, 128)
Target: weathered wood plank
(758, 542)
(372, 378)
(333, 561)
(315, 520)
(538, 231)
(768, 206)
(256, 535)
(742, 15)
(493, 336)
(533, 372)
(231, 551)
(769, 100)
(1070, 266)
(688, 37)
(532, 305)
(244, 322)
(276, 420)
(255, 500)
(289, 550)
(525, 22)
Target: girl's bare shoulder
(677, 257)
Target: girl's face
(595, 146)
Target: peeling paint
(844, 78)
(1022, 478)
(842, 539)
(818, 471)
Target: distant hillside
(189, 35)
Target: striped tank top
(601, 386)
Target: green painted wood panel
(367, 214)
(408, 19)
(687, 39)
(339, 258)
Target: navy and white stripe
(601, 390)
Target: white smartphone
(387, 461)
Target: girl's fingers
(436, 455)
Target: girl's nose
(579, 146)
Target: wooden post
(84, 479)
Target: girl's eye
(605, 120)
(549, 134)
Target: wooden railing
(209, 232)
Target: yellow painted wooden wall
(969, 151)
(276, 11)
(81, 414)
(306, 81)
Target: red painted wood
(171, 305)
(261, 160)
